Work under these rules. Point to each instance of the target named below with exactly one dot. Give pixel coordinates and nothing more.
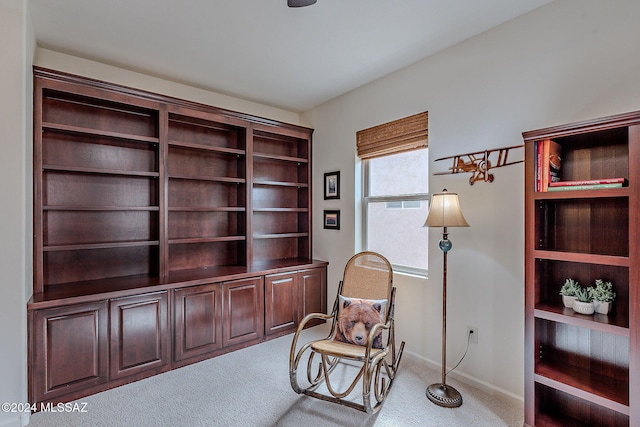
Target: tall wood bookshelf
(163, 229)
(579, 369)
(206, 191)
(281, 177)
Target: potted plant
(584, 301)
(603, 296)
(568, 292)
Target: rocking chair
(366, 291)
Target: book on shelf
(589, 182)
(548, 163)
(585, 187)
(537, 151)
(538, 163)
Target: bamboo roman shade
(409, 133)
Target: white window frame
(425, 197)
(402, 204)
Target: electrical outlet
(472, 331)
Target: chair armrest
(377, 326)
(312, 316)
(293, 362)
(372, 335)
(306, 320)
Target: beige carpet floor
(251, 387)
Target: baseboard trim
(473, 381)
(16, 420)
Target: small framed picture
(332, 220)
(332, 185)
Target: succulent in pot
(603, 296)
(584, 301)
(568, 292)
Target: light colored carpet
(250, 387)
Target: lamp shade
(445, 211)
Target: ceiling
(261, 50)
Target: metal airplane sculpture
(479, 163)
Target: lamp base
(444, 395)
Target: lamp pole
(445, 237)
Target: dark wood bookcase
(159, 227)
(207, 191)
(96, 188)
(584, 370)
(281, 196)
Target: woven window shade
(409, 133)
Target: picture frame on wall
(332, 219)
(332, 185)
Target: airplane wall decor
(479, 163)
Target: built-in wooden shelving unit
(165, 232)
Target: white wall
(71, 64)
(567, 61)
(16, 55)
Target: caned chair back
(368, 275)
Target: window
(396, 191)
(396, 179)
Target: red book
(539, 166)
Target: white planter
(583, 307)
(568, 301)
(602, 307)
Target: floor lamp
(444, 212)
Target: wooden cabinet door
(139, 334)
(198, 320)
(69, 350)
(281, 302)
(243, 311)
(313, 292)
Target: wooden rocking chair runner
(367, 276)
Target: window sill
(417, 275)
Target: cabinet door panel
(243, 311)
(70, 350)
(198, 320)
(281, 302)
(313, 291)
(139, 334)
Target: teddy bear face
(356, 318)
